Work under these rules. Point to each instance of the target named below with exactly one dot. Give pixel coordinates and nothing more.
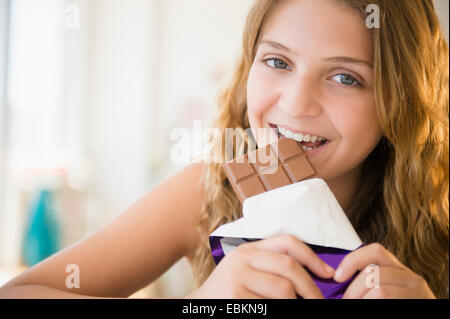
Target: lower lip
(315, 151)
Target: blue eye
(277, 63)
(342, 78)
(347, 80)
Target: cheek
(359, 130)
(260, 95)
(359, 124)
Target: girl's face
(313, 74)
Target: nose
(301, 98)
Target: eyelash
(357, 83)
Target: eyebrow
(342, 59)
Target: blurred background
(90, 91)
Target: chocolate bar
(282, 163)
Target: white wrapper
(307, 210)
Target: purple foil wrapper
(331, 256)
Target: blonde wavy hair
(403, 199)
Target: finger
(268, 285)
(288, 268)
(298, 250)
(373, 277)
(360, 258)
(389, 292)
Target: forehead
(320, 27)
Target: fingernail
(329, 268)
(338, 274)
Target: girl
(378, 96)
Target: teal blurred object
(42, 232)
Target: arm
(128, 253)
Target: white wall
(200, 41)
(442, 9)
(121, 88)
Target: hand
(268, 268)
(394, 280)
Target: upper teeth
(299, 137)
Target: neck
(345, 187)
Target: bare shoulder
(176, 204)
(183, 196)
(136, 247)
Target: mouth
(308, 141)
